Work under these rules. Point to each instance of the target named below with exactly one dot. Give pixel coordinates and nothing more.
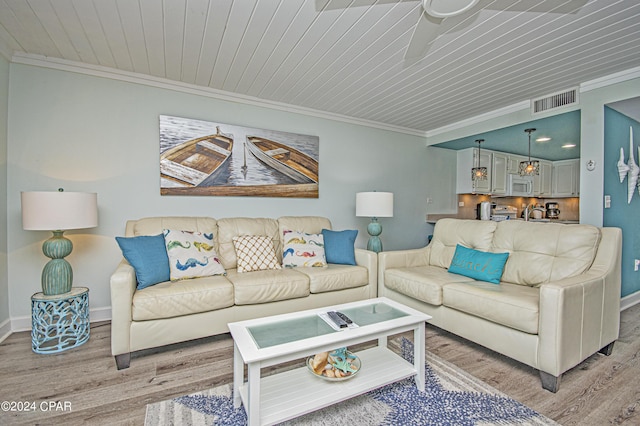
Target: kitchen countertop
(433, 218)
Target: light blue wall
(87, 133)
(622, 214)
(4, 286)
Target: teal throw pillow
(479, 265)
(339, 246)
(148, 256)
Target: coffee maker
(553, 212)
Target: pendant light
(479, 173)
(529, 168)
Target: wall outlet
(607, 201)
(429, 200)
(636, 264)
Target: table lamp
(374, 205)
(58, 212)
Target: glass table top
(286, 331)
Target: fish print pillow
(191, 255)
(302, 249)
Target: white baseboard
(5, 330)
(629, 301)
(24, 323)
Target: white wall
(4, 286)
(87, 133)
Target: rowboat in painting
(288, 161)
(190, 163)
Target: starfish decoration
(342, 360)
(438, 405)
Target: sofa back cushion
(543, 252)
(238, 226)
(155, 225)
(448, 233)
(306, 224)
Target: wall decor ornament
(629, 169)
(209, 158)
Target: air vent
(555, 100)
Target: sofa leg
(550, 382)
(123, 360)
(607, 349)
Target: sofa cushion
(544, 252)
(339, 246)
(303, 250)
(511, 305)
(255, 253)
(448, 233)
(308, 224)
(421, 282)
(155, 225)
(335, 277)
(173, 299)
(191, 254)
(148, 256)
(268, 286)
(234, 227)
(477, 264)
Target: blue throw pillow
(479, 265)
(339, 246)
(148, 256)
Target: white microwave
(520, 186)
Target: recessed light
(543, 139)
(569, 145)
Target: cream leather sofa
(172, 312)
(558, 301)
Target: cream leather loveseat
(557, 303)
(171, 312)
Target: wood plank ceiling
(342, 57)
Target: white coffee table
(264, 342)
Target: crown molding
(517, 107)
(164, 83)
(608, 80)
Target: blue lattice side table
(59, 322)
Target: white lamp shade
(59, 211)
(374, 204)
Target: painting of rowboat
(210, 158)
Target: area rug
(452, 397)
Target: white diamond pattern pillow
(255, 253)
(301, 249)
(191, 255)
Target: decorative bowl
(355, 362)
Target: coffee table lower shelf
(290, 394)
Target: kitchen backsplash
(569, 207)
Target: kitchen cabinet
(566, 178)
(543, 183)
(466, 160)
(499, 173)
(513, 164)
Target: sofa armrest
(580, 315)
(123, 286)
(400, 259)
(369, 260)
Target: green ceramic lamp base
(57, 275)
(374, 229)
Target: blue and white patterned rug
(452, 397)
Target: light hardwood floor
(600, 391)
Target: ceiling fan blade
(425, 32)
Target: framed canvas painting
(210, 158)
